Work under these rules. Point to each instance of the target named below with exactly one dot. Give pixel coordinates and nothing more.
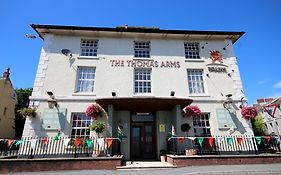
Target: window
(86, 79)
(192, 50)
(89, 47)
(195, 81)
(80, 125)
(142, 49)
(201, 126)
(142, 80)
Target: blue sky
(258, 51)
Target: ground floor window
(80, 125)
(201, 125)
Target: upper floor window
(86, 79)
(89, 47)
(192, 50)
(142, 80)
(80, 125)
(195, 81)
(142, 49)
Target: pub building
(143, 78)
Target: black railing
(7, 149)
(223, 145)
(36, 147)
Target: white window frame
(192, 51)
(81, 125)
(200, 124)
(142, 79)
(89, 49)
(195, 82)
(80, 81)
(140, 50)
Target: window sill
(142, 95)
(194, 60)
(89, 57)
(83, 94)
(142, 58)
(199, 95)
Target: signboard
(139, 63)
(217, 69)
(162, 128)
(226, 119)
(54, 119)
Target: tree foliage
(258, 125)
(22, 102)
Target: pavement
(254, 169)
(134, 165)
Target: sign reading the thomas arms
(145, 63)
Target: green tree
(23, 101)
(258, 125)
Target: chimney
(6, 74)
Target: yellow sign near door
(162, 128)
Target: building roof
(276, 101)
(42, 30)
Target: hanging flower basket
(192, 110)
(94, 111)
(185, 127)
(249, 112)
(98, 127)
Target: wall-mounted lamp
(66, 52)
(113, 94)
(228, 96)
(225, 47)
(204, 45)
(243, 102)
(172, 93)
(52, 102)
(227, 104)
(208, 75)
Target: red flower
(94, 110)
(192, 111)
(249, 112)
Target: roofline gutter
(134, 30)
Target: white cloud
(277, 85)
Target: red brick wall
(30, 165)
(182, 161)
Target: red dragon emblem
(215, 56)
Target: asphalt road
(257, 169)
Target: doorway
(143, 137)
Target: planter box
(163, 158)
(190, 152)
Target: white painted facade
(58, 73)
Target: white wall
(59, 74)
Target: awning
(143, 104)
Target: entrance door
(142, 140)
